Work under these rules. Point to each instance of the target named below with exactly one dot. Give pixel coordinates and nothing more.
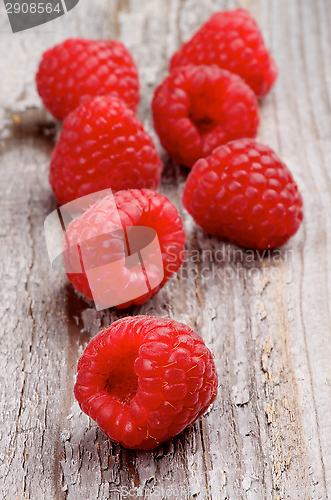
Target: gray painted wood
(267, 321)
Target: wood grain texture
(267, 321)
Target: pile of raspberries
(145, 379)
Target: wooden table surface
(268, 435)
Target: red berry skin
(101, 241)
(102, 145)
(197, 108)
(233, 41)
(78, 69)
(144, 379)
(244, 193)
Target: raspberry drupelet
(144, 379)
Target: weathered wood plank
(267, 321)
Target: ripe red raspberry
(109, 235)
(198, 108)
(144, 379)
(102, 145)
(78, 69)
(244, 193)
(232, 40)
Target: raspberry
(102, 145)
(78, 69)
(106, 234)
(244, 193)
(144, 379)
(233, 41)
(198, 108)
